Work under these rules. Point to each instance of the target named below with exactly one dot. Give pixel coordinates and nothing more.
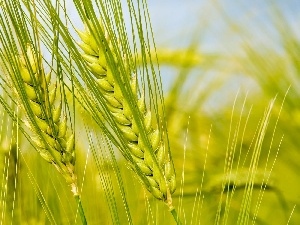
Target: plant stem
(80, 208)
(175, 216)
(171, 208)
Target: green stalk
(80, 209)
(175, 216)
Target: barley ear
(50, 131)
(149, 156)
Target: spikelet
(51, 139)
(157, 168)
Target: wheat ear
(51, 139)
(158, 170)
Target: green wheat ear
(152, 163)
(51, 139)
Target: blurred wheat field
(230, 79)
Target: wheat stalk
(157, 168)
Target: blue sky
(175, 20)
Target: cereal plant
(90, 135)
